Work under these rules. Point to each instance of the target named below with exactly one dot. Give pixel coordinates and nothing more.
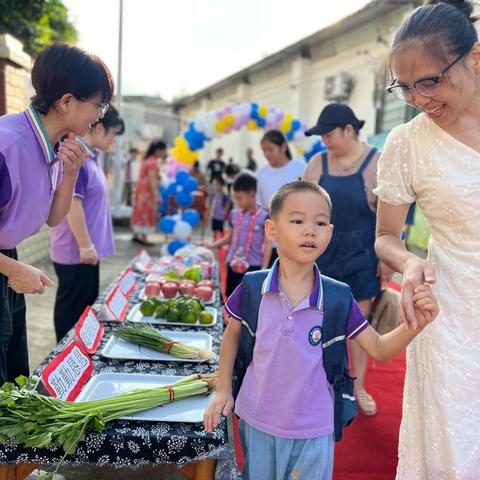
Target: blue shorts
(273, 458)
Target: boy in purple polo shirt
(248, 249)
(293, 438)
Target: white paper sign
(117, 304)
(127, 282)
(65, 375)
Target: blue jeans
(273, 458)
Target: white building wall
(296, 84)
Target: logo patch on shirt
(315, 335)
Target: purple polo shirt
(255, 256)
(30, 172)
(220, 203)
(92, 188)
(285, 391)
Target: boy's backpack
(337, 303)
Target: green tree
(36, 23)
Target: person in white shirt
(279, 170)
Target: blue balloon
(289, 135)
(172, 188)
(181, 177)
(296, 124)
(254, 111)
(184, 199)
(162, 208)
(192, 217)
(167, 224)
(190, 185)
(261, 122)
(174, 245)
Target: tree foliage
(36, 23)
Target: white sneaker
(38, 473)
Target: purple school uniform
(220, 203)
(30, 172)
(92, 188)
(255, 256)
(287, 363)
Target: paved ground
(41, 340)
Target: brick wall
(15, 92)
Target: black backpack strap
(337, 305)
(252, 283)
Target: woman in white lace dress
(435, 161)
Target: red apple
(205, 283)
(152, 289)
(204, 292)
(169, 289)
(187, 288)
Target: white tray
(136, 316)
(105, 385)
(118, 348)
(211, 301)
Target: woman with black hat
(348, 171)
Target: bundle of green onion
(34, 420)
(148, 336)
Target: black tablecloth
(133, 443)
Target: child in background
(220, 205)
(248, 249)
(294, 437)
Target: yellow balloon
(286, 124)
(299, 150)
(219, 126)
(252, 125)
(262, 111)
(181, 143)
(229, 120)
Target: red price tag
(116, 305)
(143, 258)
(68, 372)
(127, 282)
(89, 331)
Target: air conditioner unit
(338, 87)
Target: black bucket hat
(335, 115)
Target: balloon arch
(207, 125)
(202, 129)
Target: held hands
(73, 154)
(416, 273)
(222, 405)
(426, 306)
(28, 279)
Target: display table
(128, 443)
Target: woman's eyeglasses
(429, 87)
(102, 107)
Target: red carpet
(368, 450)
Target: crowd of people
(309, 248)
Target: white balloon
(164, 250)
(298, 135)
(182, 230)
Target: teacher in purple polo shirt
(39, 162)
(86, 234)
